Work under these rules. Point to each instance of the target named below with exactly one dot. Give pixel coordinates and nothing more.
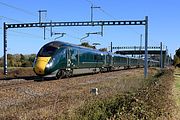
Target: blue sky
(164, 25)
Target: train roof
(59, 44)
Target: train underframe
(68, 72)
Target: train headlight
(49, 65)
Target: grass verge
(151, 102)
(176, 92)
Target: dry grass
(16, 72)
(176, 93)
(57, 99)
(60, 99)
(154, 101)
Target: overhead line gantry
(84, 23)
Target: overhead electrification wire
(11, 19)
(19, 9)
(89, 1)
(27, 34)
(29, 13)
(22, 10)
(73, 36)
(108, 14)
(17, 31)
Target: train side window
(95, 57)
(101, 57)
(88, 56)
(98, 57)
(83, 55)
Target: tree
(19, 60)
(103, 49)
(86, 44)
(22, 59)
(26, 64)
(178, 52)
(1, 61)
(11, 60)
(177, 58)
(32, 57)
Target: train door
(68, 57)
(72, 58)
(128, 62)
(109, 60)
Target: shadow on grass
(40, 78)
(35, 78)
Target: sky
(164, 25)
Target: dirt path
(52, 99)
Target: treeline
(86, 44)
(19, 60)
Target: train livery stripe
(41, 64)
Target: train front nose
(40, 65)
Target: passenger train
(60, 59)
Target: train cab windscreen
(47, 51)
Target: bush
(19, 60)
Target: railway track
(11, 82)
